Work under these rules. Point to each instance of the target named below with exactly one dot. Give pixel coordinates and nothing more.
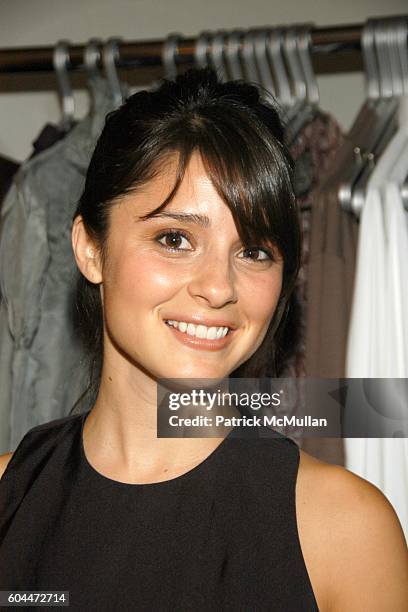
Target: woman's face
(193, 271)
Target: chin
(197, 373)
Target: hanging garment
(8, 169)
(331, 266)
(396, 235)
(49, 135)
(314, 151)
(45, 374)
(333, 239)
(222, 536)
(377, 342)
(394, 469)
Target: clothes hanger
(304, 45)
(402, 43)
(248, 57)
(51, 133)
(201, 49)
(390, 88)
(274, 48)
(297, 47)
(232, 55)
(404, 193)
(373, 118)
(169, 52)
(395, 63)
(402, 53)
(261, 56)
(61, 62)
(294, 65)
(216, 53)
(92, 56)
(110, 55)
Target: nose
(214, 282)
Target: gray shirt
(42, 363)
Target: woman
(187, 240)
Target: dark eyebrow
(202, 220)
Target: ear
(85, 252)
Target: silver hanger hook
(201, 49)
(370, 60)
(111, 54)
(402, 45)
(216, 51)
(169, 52)
(397, 78)
(232, 54)
(274, 45)
(292, 57)
(304, 43)
(264, 69)
(382, 47)
(61, 62)
(92, 56)
(396, 31)
(248, 57)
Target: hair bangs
(248, 172)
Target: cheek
(138, 282)
(260, 299)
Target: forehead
(196, 192)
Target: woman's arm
(368, 549)
(352, 541)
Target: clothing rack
(334, 49)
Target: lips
(200, 343)
(197, 320)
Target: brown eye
(172, 240)
(257, 254)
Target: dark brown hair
(240, 138)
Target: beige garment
(331, 271)
(330, 288)
(315, 150)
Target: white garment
(378, 334)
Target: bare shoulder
(352, 541)
(4, 459)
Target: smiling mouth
(195, 342)
(201, 332)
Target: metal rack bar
(334, 49)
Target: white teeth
(200, 331)
(191, 329)
(212, 333)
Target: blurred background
(43, 22)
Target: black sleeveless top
(222, 536)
